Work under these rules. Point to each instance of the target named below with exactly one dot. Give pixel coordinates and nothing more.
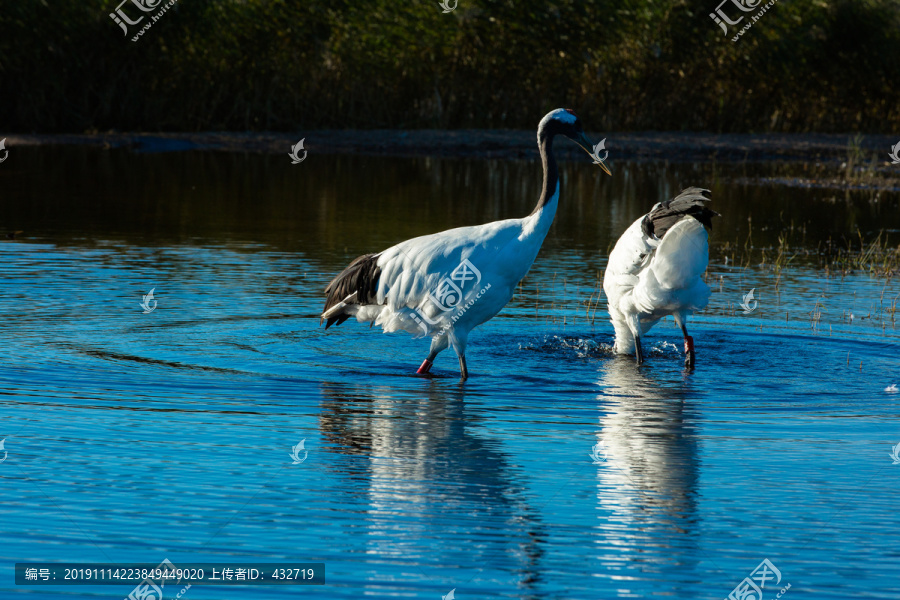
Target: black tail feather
(689, 203)
(334, 320)
(360, 277)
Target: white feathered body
(411, 271)
(650, 278)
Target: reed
(878, 256)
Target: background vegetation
(823, 65)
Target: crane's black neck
(551, 173)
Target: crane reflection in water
(427, 478)
(647, 488)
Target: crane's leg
(438, 343)
(689, 356)
(458, 339)
(463, 371)
(634, 324)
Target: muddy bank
(671, 146)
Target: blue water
(137, 437)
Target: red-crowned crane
(445, 284)
(656, 270)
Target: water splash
(582, 347)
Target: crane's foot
(638, 351)
(689, 355)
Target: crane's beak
(603, 166)
(588, 147)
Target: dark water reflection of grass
(335, 206)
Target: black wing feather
(689, 203)
(361, 276)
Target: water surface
(136, 437)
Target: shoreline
(484, 143)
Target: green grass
(289, 65)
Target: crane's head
(563, 121)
